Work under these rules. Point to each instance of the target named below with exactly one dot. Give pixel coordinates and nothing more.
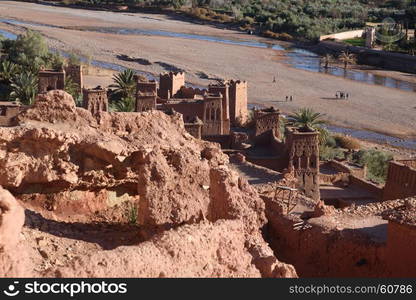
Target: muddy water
(300, 59)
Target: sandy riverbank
(370, 107)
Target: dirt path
(370, 107)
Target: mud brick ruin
(51, 80)
(9, 110)
(74, 72)
(95, 100)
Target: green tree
(346, 58)
(8, 70)
(125, 84)
(126, 104)
(73, 89)
(29, 50)
(24, 88)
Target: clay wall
(274, 163)
(213, 116)
(401, 249)
(303, 151)
(194, 129)
(95, 100)
(146, 95)
(75, 73)
(170, 84)
(50, 80)
(223, 90)
(374, 189)
(401, 180)
(189, 92)
(223, 140)
(188, 108)
(317, 252)
(238, 102)
(7, 113)
(267, 125)
(145, 103)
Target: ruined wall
(194, 129)
(238, 102)
(374, 189)
(223, 90)
(303, 150)
(50, 80)
(170, 84)
(344, 168)
(75, 73)
(189, 92)
(223, 140)
(146, 95)
(7, 113)
(213, 116)
(95, 100)
(267, 126)
(189, 108)
(401, 249)
(401, 180)
(319, 252)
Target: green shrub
(376, 163)
(327, 153)
(330, 142)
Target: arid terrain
(371, 107)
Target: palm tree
(347, 58)
(126, 104)
(72, 88)
(24, 88)
(308, 120)
(327, 58)
(125, 83)
(7, 70)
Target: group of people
(342, 95)
(290, 98)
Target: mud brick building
(50, 80)
(95, 100)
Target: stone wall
(401, 180)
